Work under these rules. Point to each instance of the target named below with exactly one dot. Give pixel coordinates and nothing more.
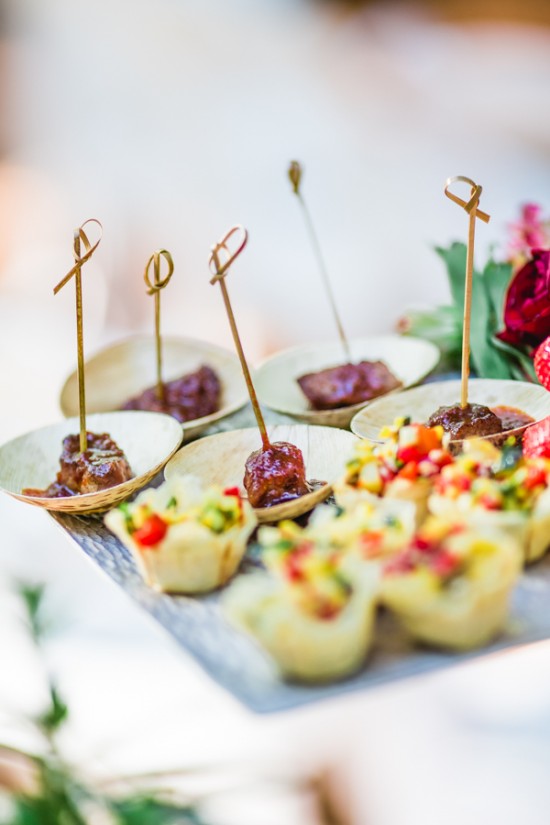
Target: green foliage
(55, 714)
(148, 810)
(32, 596)
(455, 260)
(60, 797)
(489, 356)
(55, 804)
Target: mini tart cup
(530, 528)
(347, 496)
(464, 614)
(306, 648)
(353, 538)
(416, 492)
(191, 558)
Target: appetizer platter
(381, 647)
(298, 562)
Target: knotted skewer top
(80, 236)
(475, 194)
(219, 270)
(471, 208)
(158, 282)
(154, 287)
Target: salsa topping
(409, 451)
(312, 571)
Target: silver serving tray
(237, 663)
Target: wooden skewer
(220, 271)
(154, 288)
(295, 175)
(80, 236)
(471, 208)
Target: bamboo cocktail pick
(471, 207)
(80, 236)
(154, 288)
(220, 269)
(295, 175)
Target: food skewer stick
(471, 207)
(154, 288)
(295, 175)
(220, 271)
(80, 236)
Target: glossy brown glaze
(100, 466)
(512, 418)
(464, 422)
(347, 384)
(275, 475)
(192, 396)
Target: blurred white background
(170, 120)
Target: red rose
(527, 306)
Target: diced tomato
(409, 471)
(440, 457)
(232, 491)
(398, 565)
(462, 483)
(151, 532)
(423, 544)
(409, 453)
(535, 476)
(293, 568)
(386, 474)
(489, 502)
(444, 563)
(371, 543)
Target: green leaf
(497, 277)
(33, 596)
(148, 810)
(55, 805)
(442, 326)
(56, 714)
(486, 359)
(524, 361)
(455, 261)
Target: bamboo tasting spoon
(223, 255)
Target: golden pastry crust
(468, 609)
(305, 647)
(191, 557)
